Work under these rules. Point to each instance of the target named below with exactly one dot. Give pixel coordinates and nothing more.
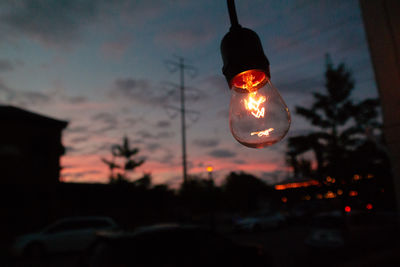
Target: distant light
(329, 179)
(353, 193)
(369, 206)
(382, 190)
(340, 192)
(347, 209)
(356, 177)
(284, 199)
(319, 196)
(210, 168)
(308, 197)
(330, 194)
(296, 185)
(369, 176)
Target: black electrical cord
(232, 14)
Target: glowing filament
(262, 133)
(248, 80)
(253, 105)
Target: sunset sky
(101, 65)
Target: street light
(258, 116)
(210, 170)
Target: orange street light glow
(262, 133)
(353, 193)
(330, 194)
(296, 185)
(210, 168)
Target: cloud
(105, 117)
(239, 161)
(22, 98)
(132, 121)
(153, 147)
(222, 153)
(77, 129)
(223, 113)
(138, 90)
(116, 49)
(49, 22)
(217, 81)
(79, 139)
(301, 86)
(186, 35)
(5, 91)
(6, 65)
(82, 174)
(77, 99)
(206, 142)
(148, 135)
(163, 124)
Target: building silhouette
(30, 147)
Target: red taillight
(369, 206)
(347, 209)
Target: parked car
(328, 231)
(170, 245)
(259, 222)
(68, 234)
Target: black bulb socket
(241, 50)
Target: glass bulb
(258, 116)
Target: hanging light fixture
(258, 116)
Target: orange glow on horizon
(89, 168)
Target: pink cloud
(114, 50)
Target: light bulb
(258, 116)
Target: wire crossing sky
(101, 66)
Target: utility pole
(175, 65)
(183, 123)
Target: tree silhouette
(243, 191)
(126, 154)
(341, 127)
